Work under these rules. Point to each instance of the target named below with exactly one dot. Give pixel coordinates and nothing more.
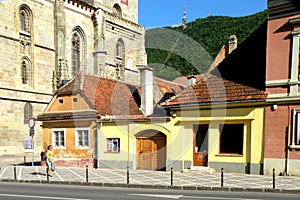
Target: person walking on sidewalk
(49, 162)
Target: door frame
(158, 158)
(200, 155)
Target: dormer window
(117, 11)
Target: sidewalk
(151, 179)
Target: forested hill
(172, 54)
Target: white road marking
(223, 198)
(38, 173)
(188, 197)
(76, 174)
(20, 173)
(3, 171)
(107, 179)
(39, 197)
(57, 174)
(159, 196)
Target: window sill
(111, 152)
(229, 155)
(82, 148)
(295, 146)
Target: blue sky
(159, 13)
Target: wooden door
(200, 144)
(159, 154)
(145, 154)
(151, 153)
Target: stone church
(44, 43)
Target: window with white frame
(113, 145)
(59, 138)
(82, 137)
(296, 127)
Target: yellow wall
(127, 144)
(252, 118)
(179, 134)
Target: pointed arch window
(120, 49)
(27, 112)
(120, 55)
(78, 51)
(117, 11)
(26, 71)
(25, 18)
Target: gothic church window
(25, 18)
(120, 49)
(26, 71)
(120, 54)
(78, 51)
(27, 112)
(117, 11)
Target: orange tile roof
(107, 96)
(215, 90)
(113, 99)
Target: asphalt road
(25, 191)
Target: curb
(162, 187)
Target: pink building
(282, 119)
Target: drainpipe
(182, 149)
(287, 143)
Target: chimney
(232, 43)
(146, 82)
(191, 80)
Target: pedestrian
(49, 161)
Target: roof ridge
(155, 77)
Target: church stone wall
(42, 52)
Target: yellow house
(89, 118)
(219, 121)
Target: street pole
(32, 150)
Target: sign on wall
(28, 144)
(124, 1)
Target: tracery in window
(25, 18)
(117, 11)
(27, 112)
(78, 51)
(120, 49)
(26, 71)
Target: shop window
(113, 145)
(231, 138)
(59, 138)
(82, 138)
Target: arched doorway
(151, 150)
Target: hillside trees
(174, 52)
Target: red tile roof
(215, 89)
(112, 99)
(107, 96)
